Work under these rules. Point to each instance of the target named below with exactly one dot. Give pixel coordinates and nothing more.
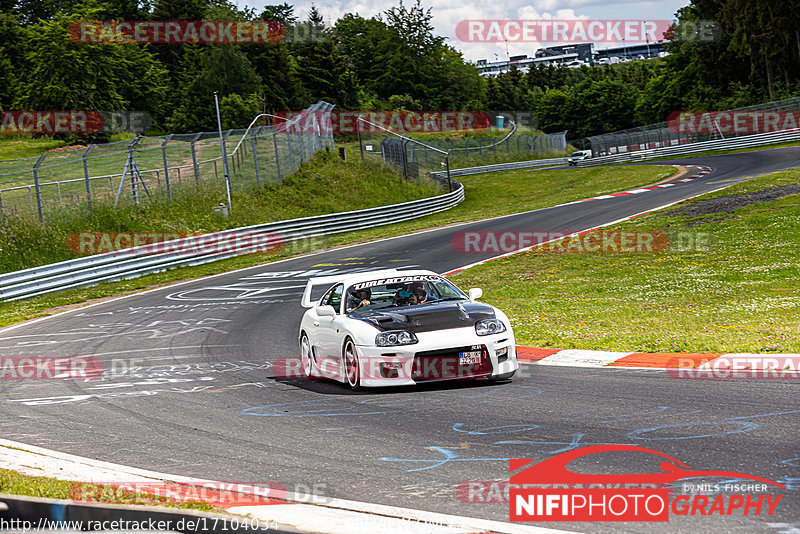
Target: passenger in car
(358, 299)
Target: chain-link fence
(435, 156)
(134, 170)
(665, 134)
(397, 149)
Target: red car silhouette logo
(554, 470)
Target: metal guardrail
(750, 141)
(153, 258)
(511, 166)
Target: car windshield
(400, 291)
(576, 154)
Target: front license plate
(469, 358)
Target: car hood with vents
(427, 317)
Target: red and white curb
(325, 516)
(702, 172)
(657, 360)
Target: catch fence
(133, 171)
(663, 134)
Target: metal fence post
(302, 150)
(166, 167)
(447, 165)
(360, 143)
(291, 155)
(229, 160)
(255, 159)
(36, 185)
(405, 160)
(277, 155)
(194, 159)
(86, 175)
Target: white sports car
(393, 328)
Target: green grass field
(14, 483)
(728, 283)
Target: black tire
(351, 365)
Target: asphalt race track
(193, 390)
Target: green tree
(12, 58)
(102, 77)
(222, 68)
(238, 112)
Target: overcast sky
(448, 13)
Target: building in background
(573, 56)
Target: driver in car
(419, 294)
(415, 294)
(358, 298)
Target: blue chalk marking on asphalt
(449, 456)
(661, 411)
(762, 415)
(574, 444)
(792, 483)
(744, 426)
(495, 429)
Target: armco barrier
(514, 165)
(147, 259)
(749, 141)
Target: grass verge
(728, 282)
(487, 195)
(14, 483)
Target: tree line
(390, 61)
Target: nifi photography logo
(548, 491)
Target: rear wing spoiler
(329, 280)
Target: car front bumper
(436, 357)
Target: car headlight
(395, 337)
(487, 327)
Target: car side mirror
(325, 311)
(475, 293)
